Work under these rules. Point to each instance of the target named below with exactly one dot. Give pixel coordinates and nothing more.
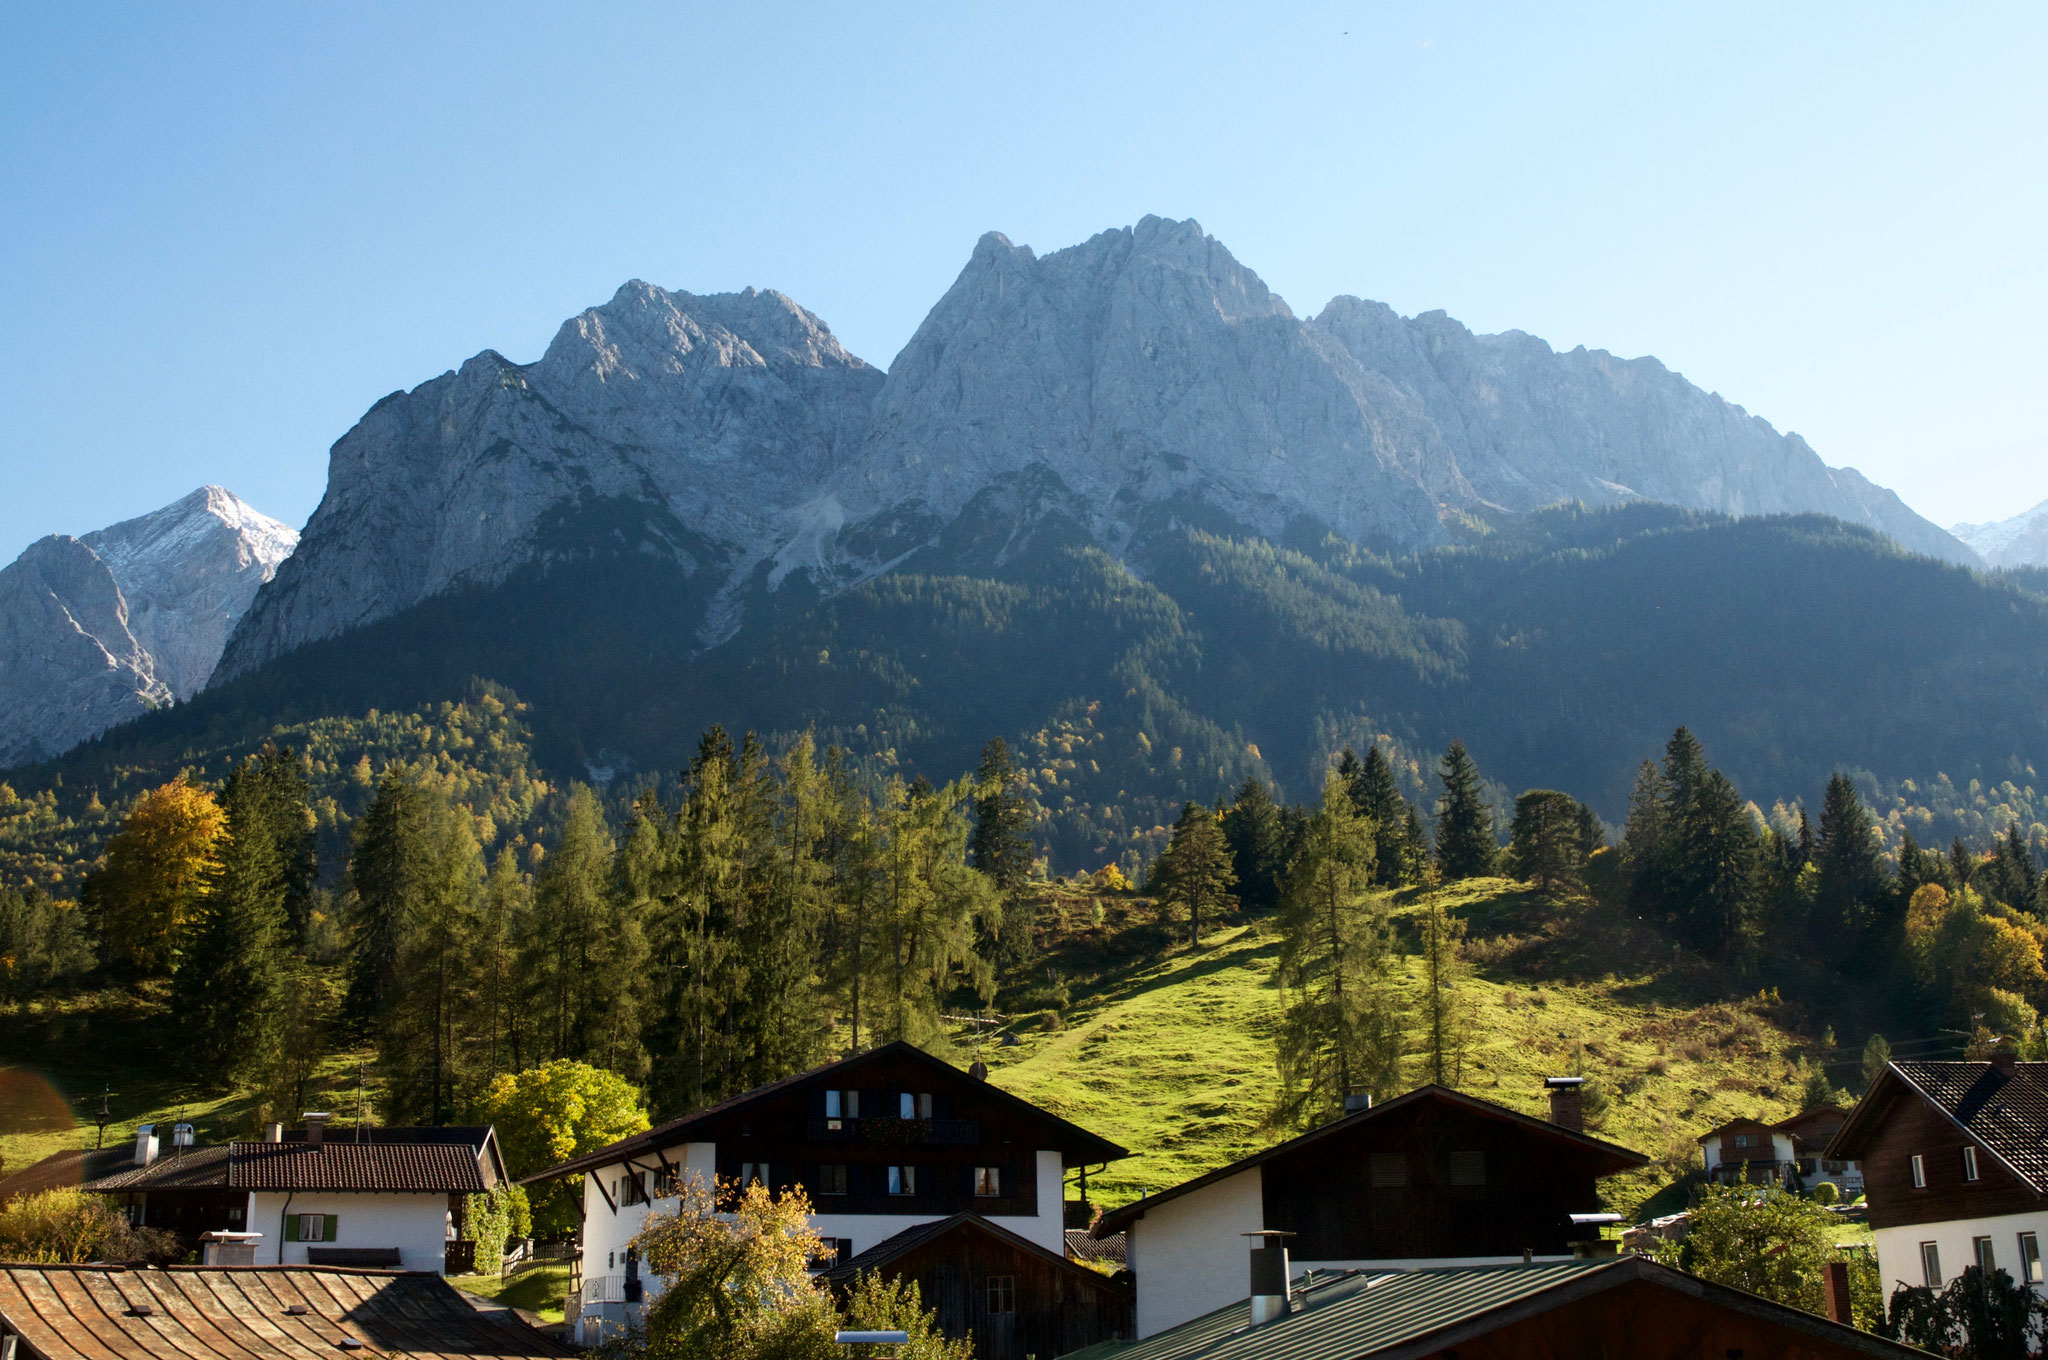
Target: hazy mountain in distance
(98, 629)
(2021, 541)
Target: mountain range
(1122, 506)
(2021, 541)
(103, 628)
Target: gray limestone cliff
(99, 629)
(1142, 370)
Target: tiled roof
(1088, 1146)
(240, 1313)
(1083, 1245)
(1611, 1156)
(879, 1256)
(193, 1168)
(1346, 1315)
(2005, 1111)
(451, 1168)
(68, 1169)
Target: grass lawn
(537, 1288)
(1173, 1058)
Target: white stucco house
(880, 1142)
(1955, 1164)
(1790, 1152)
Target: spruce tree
(229, 988)
(1194, 874)
(592, 951)
(1713, 873)
(1850, 874)
(426, 1013)
(1257, 836)
(387, 870)
(1642, 841)
(1377, 795)
(1464, 824)
(1342, 1021)
(1545, 840)
(1003, 820)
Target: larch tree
(159, 867)
(1194, 874)
(1444, 1018)
(1342, 1024)
(1464, 823)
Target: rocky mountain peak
(2021, 541)
(98, 629)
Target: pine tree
(592, 951)
(427, 1009)
(1003, 820)
(235, 961)
(1850, 874)
(1464, 824)
(1257, 835)
(1445, 1016)
(2014, 880)
(387, 870)
(1194, 873)
(782, 1019)
(1342, 1023)
(1544, 842)
(1377, 795)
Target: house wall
(1188, 1254)
(1643, 1321)
(1914, 1126)
(1898, 1247)
(415, 1224)
(1059, 1307)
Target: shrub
(71, 1227)
(1827, 1192)
(1658, 1067)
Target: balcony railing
(612, 1289)
(888, 1130)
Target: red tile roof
(241, 1313)
(439, 1168)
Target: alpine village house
(1430, 1178)
(914, 1168)
(1955, 1168)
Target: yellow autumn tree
(159, 865)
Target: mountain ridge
(1142, 367)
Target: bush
(71, 1227)
(1827, 1192)
(492, 1219)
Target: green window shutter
(291, 1227)
(329, 1234)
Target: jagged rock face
(2021, 541)
(1532, 427)
(1144, 367)
(718, 408)
(97, 630)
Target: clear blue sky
(226, 230)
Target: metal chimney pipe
(145, 1144)
(273, 1132)
(1269, 1276)
(1357, 1102)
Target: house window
(2030, 1258)
(1969, 1164)
(1930, 1265)
(915, 1105)
(1389, 1170)
(1980, 1247)
(1002, 1293)
(988, 1181)
(1919, 1172)
(753, 1173)
(1468, 1168)
(632, 1188)
(841, 1105)
(1742, 1140)
(902, 1180)
(314, 1227)
(832, 1180)
(833, 1251)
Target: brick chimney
(2002, 1060)
(316, 1127)
(1838, 1293)
(1565, 1109)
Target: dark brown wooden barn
(1016, 1299)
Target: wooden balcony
(890, 1131)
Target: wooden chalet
(1015, 1298)
(1433, 1177)
(1616, 1308)
(1955, 1168)
(50, 1312)
(880, 1142)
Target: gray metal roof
(1345, 1315)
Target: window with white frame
(1919, 1172)
(1930, 1265)
(316, 1227)
(632, 1188)
(988, 1181)
(2030, 1258)
(902, 1180)
(1969, 1164)
(915, 1105)
(841, 1106)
